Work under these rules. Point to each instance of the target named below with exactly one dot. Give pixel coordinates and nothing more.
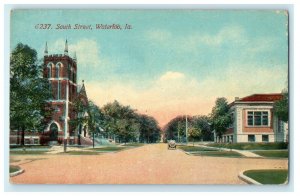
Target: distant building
(254, 121)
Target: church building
(61, 72)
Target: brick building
(254, 120)
(61, 72)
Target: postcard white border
(140, 188)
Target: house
(253, 120)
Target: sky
(171, 62)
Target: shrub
(252, 146)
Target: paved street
(149, 164)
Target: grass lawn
(13, 168)
(80, 153)
(14, 160)
(27, 152)
(273, 153)
(108, 149)
(251, 146)
(218, 154)
(268, 176)
(201, 151)
(29, 146)
(134, 144)
(195, 148)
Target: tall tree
(121, 121)
(29, 92)
(149, 130)
(281, 107)
(95, 119)
(203, 123)
(220, 116)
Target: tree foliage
(29, 91)
(194, 133)
(120, 121)
(149, 129)
(176, 128)
(281, 107)
(203, 123)
(220, 116)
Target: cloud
(165, 99)
(171, 75)
(89, 57)
(87, 51)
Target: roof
(262, 97)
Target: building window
(57, 71)
(257, 118)
(251, 138)
(265, 138)
(58, 89)
(36, 141)
(49, 72)
(49, 68)
(27, 141)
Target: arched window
(58, 90)
(49, 69)
(58, 65)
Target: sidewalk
(245, 153)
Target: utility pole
(178, 132)
(186, 129)
(66, 116)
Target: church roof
(81, 90)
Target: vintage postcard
(149, 96)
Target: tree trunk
(23, 136)
(18, 136)
(193, 141)
(79, 142)
(93, 140)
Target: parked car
(172, 144)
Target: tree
(149, 130)
(29, 92)
(94, 119)
(176, 127)
(121, 121)
(194, 133)
(220, 116)
(281, 107)
(203, 123)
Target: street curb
(17, 173)
(247, 179)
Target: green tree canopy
(203, 123)
(149, 129)
(281, 107)
(176, 127)
(220, 116)
(29, 91)
(121, 121)
(194, 133)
